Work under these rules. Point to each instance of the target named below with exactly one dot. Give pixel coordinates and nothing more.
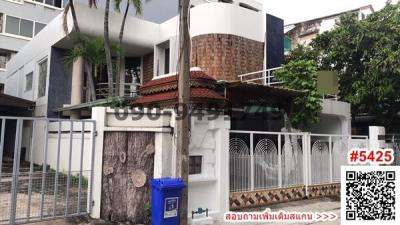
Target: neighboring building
(302, 33)
(20, 21)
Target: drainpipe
(77, 86)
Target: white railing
(265, 160)
(129, 90)
(265, 77)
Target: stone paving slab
(331, 204)
(312, 205)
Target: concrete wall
(335, 118)
(209, 189)
(39, 146)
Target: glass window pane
(58, 3)
(26, 28)
(39, 27)
(12, 25)
(1, 22)
(28, 81)
(42, 78)
(48, 2)
(4, 58)
(3, 61)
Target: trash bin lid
(168, 183)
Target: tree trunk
(121, 57)
(89, 74)
(128, 165)
(108, 51)
(183, 99)
(70, 6)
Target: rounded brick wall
(225, 56)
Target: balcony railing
(264, 77)
(129, 90)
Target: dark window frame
(195, 164)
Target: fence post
(330, 159)
(279, 160)
(251, 162)
(15, 173)
(305, 162)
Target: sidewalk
(312, 205)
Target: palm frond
(92, 3)
(138, 6)
(117, 5)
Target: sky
(299, 10)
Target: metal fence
(45, 168)
(264, 160)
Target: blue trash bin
(165, 201)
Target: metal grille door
(45, 168)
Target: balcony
(130, 90)
(266, 78)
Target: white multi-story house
(20, 21)
(229, 39)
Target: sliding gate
(46, 168)
(272, 167)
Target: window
(19, 26)
(26, 28)
(4, 58)
(55, 3)
(1, 22)
(162, 57)
(39, 27)
(12, 25)
(166, 63)
(195, 163)
(42, 78)
(28, 81)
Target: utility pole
(182, 161)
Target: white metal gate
(267, 160)
(46, 168)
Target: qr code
(369, 194)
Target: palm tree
(120, 56)
(107, 50)
(71, 6)
(92, 50)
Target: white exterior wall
(374, 142)
(39, 146)
(222, 18)
(335, 118)
(210, 189)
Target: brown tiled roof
(196, 94)
(164, 91)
